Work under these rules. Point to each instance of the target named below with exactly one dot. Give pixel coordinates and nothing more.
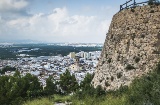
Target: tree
(68, 83)
(87, 80)
(33, 87)
(50, 88)
(150, 2)
(99, 91)
(4, 88)
(15, 89)
(153, 2)
(86, 89)
(146, 90)
(86, 86)
(7, 68)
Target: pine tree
(50, 88)
(68, 83)
(86, 87)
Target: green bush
(132, 10)
(137, 59)
(146, 90)
(150, 2)
(106, 55)
(129, 67)
(119, 75)
(68, 83)
(107, 84)
(86, 89)
(112, 78)
(152, 11)
(103, 62)
(153, 2)
(142, 91)
(109, 60)
(143, 36)
(7, 68)
(50, 88)
(15, 89)
(99, 91)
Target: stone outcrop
(131, 48)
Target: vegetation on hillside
(153, 2)
(15, 89)
(44, 50)
(7, 68)
(27, 90)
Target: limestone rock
(131, 48)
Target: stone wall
(131, 48)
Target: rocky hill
(131, 48)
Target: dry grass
(108, 100)
(42, 101)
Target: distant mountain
(25, 41)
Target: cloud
(13, 8)
(58, 26)
(12, 5)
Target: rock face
(131, 48)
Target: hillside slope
(131, 48)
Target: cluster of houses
(78, 64)
(5, 45)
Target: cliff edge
(131, 48)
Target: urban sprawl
(78, 64)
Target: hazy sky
(57, 20)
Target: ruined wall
(131, 48)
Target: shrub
(107, 78)
(103, 62)
(119, 75)
(130, 67)
(133, 36)
(100, 80)
(142, 36)
(99, 91)
(50, 88)
(137, 59)
(107, 84)
(122, 90)
(136, 14)
(112, 78)
(132, 10)
(152, 11)
(16, 89)
(157, 3)
(68, 83)
(145, 91)
(158, 68)
(7, 68)
(150, 2)
(106, 55)
(109, 60)
(118, 58)
(153, 2)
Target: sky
(85, 21)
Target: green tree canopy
(68, 83)
(15, 89)
(50, 88)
